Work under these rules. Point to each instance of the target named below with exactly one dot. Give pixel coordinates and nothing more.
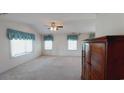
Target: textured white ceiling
(73, 22)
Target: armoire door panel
(96, 75)
(87, 67)
(87, 72)
(97, 60)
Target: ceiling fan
(54, 26)
(3, 13)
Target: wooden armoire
(103, 58)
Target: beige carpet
(46, 68)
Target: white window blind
(21, 47)
(48, 44)
(72, 44)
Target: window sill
(20, 55)
(48, 49)
(72, 49)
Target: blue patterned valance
(48, 37)
(72, 37)
(14, 34)
(91, 35)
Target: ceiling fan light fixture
(51, 28)
(54, 27)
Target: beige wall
(60, 46)
(110, 24)
(6, 61)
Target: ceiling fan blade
(60, 26)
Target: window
(21, 47)
(48, 44)
(72, 44)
